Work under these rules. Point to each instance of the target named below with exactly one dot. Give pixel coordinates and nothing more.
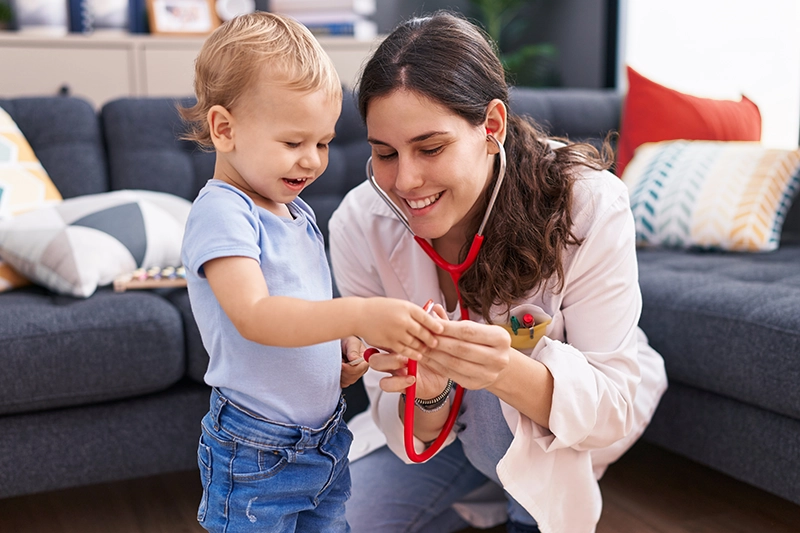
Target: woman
(548, 404)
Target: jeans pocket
(255, 464)
(204, 464)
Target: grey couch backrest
(65, 135)
(579, 114)
(145, 151)
(135, 143)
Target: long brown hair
(452, 62)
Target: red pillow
(654, 113)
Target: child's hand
(353, 364)
(398, 326)
(429, 382)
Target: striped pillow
(713, 195)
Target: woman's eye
(433, 151)
(386, 157)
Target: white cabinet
(101, 67)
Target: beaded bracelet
(432, 405)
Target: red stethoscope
(455, 272)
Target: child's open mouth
(296, 184)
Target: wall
(721, 49)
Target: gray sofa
(110, 387)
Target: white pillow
(723, 195)
(87, 241)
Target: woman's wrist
(431, 405)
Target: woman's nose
(409, 175)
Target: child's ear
(220, 125)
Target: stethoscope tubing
(455, 272)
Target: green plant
(6, 14)
(508, 23)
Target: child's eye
(433, 151)
(292, 145)
(322, 146)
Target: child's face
(281, 139)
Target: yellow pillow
(24, 185)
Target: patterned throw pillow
(87, 241)
(713, 195)
(24, 185)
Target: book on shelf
(80, 17)
(289, 7)
(362, 30)
(137, 16)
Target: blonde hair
(229, 60)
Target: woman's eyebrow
(418, 138)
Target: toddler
(273, 450)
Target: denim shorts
(261, 475)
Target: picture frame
(182, 17)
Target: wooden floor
(648, 491)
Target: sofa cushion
(655, 113)
(145, 151)
(709, 194)
(196, 354)
(727, 322)
(58, 351)
(580, 114)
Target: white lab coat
(607, 379)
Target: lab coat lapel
(415, 271)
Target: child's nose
(311, 159)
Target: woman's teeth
(425, 202)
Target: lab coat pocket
(524, 337)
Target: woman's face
(433, 164)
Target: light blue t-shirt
(292, 385)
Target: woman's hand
(471, 354)
(353, 364)
(480, 356)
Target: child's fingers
(349, 376)
(439, 311)
(424, 336)
(408, 352)
(429, 322)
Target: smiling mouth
(295, 181)
(424, 202)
